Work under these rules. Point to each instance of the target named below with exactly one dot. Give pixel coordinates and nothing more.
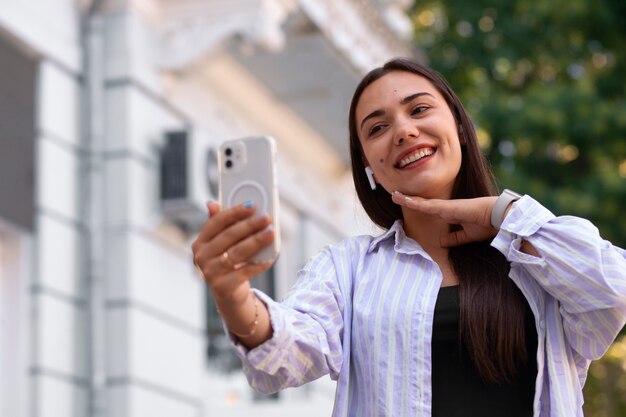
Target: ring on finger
(227, 260)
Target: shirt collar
(403, 243)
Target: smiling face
(408, 135)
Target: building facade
(110, 115)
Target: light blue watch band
(497, 212)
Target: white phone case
(247, 170)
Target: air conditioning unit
(188, 178)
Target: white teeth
(416, 156)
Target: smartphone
(247, 172)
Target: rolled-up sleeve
(307, 332)
(585, 273)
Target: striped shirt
(362, 311)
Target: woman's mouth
(414, 157)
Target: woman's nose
(405, 131)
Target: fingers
(242, 238)
(215, 260)
(243, 250)
(431, 206)
(228, 239)
(223, 229)
(231, 283)
(475, 210)
(221, 219)
(442, 208)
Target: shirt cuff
(524, 219)
(268, 355)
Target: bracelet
(255, 322)
(499, 208)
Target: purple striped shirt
(362, 311)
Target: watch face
(512, 194)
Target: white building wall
(15, 337)
(58, 368)
(55, 366)
(155, 339)
(49, 28)
(154, 307)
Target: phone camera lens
(229, 164)
(228, 151)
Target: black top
(458, 390)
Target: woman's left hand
(473, 214)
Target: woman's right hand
(225, 243)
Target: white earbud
(370, 177)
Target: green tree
(545, 83)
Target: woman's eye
(375, 129)
(418, 110)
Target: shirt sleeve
(586, 274)
(307, 332)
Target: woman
(469, 304)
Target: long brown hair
(492, 308)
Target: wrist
(252, 327)
(241, 319)
(234, 300)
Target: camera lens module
(228, 151)
(229, 164)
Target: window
(17, 136)
(17, 177)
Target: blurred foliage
(545, 83)
(605, 390)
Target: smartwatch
(497, 212)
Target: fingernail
(407, 198)
(248, 204)
(396, 192)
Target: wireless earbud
(370, 177)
